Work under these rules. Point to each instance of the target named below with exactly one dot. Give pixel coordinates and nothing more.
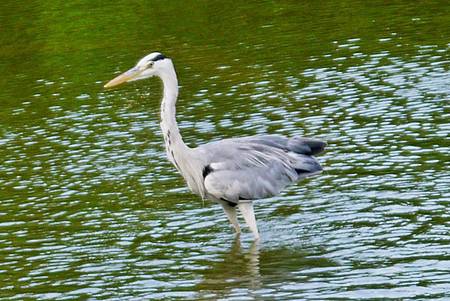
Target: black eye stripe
(158, 57)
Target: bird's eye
(150, 64)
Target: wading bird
(232, 172)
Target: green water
(91, 209)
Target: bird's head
(150, 65)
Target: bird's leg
(246, 209)
(232, 217)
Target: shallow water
(91, 209)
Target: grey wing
(257, 167)
(296, 144)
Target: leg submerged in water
(232, 217)
(246, 209)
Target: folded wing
(257, 167)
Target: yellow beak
(123, 78)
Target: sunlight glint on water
(90, 207)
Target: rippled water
(91, 209)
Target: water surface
(91, 209)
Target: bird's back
(256, 167)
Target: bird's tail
(306, 146)
(306, 166)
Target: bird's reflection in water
(238, 268)
(244, 270)
(253, 264)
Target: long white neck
(178, 153)
(175, 147)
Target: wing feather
(257, 167)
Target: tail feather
(306, 146)
(306, 166)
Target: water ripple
(91, 209)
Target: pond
(90, 208)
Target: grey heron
(232, 172)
